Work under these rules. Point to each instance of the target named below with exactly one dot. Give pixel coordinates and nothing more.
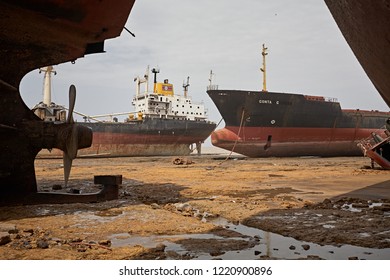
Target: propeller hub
(84, 134)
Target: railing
(320, 98)
(331, 99)
(212, 87)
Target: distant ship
(265, 124)
(161, 124)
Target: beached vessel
(161, 124)
(264, 124)
(34, 34)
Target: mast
(211, 78)
(146, 77)
(211, 86)
(140, 81)
(155, 71)
(185, 86)
(47, 84)
(263, 69)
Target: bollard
(110, 186)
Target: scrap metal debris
(378, 148)
(182, 161)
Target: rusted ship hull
(265, 124)
(149, 137)
(37, 33)
(365, 25)
(33, 34)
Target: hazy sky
(307, 54)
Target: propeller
(76, 136)
(70, 151)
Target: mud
(208, 208)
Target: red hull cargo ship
(161, 124)
(265, 124)
(260, 124)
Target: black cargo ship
(263, 124)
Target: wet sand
(208, 208)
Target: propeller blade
(76, 137)
(71, 144)
(67, 168)
(72, 101)
(70, 152)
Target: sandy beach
(208, 207)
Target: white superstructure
(163, 103)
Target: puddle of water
(349, 207)
(120, 240)
(277, 246)
(271, 245)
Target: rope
(219, 122)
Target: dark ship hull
(365, 25)
(264, 124)
(149, 137)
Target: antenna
(185, 86)
(263, 69)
